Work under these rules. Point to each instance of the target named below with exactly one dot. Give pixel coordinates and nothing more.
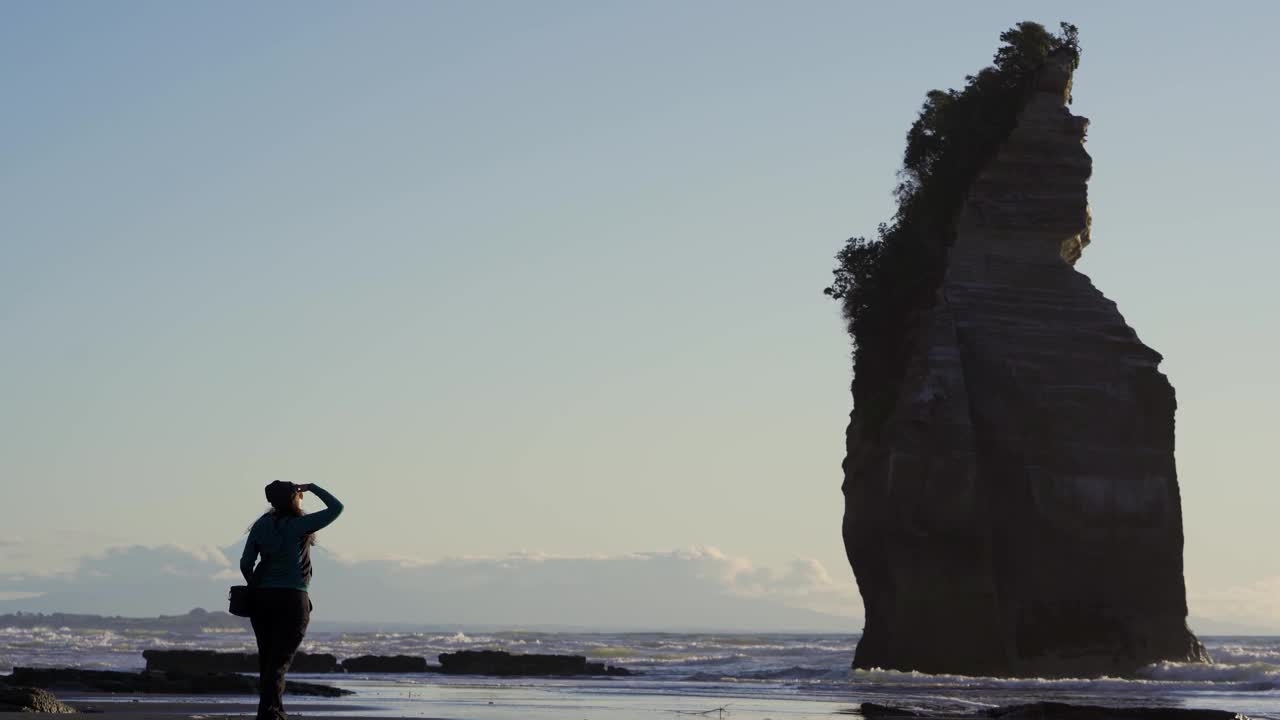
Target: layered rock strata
(1018, 513)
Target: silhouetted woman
(281, 608)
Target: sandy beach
(506, 706)
(200, 710)
(477, 701)
(514, 707)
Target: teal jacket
(282, 543)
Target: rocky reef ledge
(466, 662)
(209, 661)
(493, 662)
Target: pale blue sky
(547, 276)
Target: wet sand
(152, 710)
(464, 703)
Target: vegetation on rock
(886, 282)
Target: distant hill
(194, 620)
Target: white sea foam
(1235, 653)
(1260, 674)
(1255, 676)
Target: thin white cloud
(1256, 605)
(689, 588)
(801, 578)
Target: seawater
(751, 675)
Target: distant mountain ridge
(195, 620)
(199, 619)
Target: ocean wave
(793, 673)
(1259, 675)
(614, 652)
(1242, 653)
(689, 659)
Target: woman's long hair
(285, 510)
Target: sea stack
(1015, 510)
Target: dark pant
(279, 618)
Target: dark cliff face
(1018, 513)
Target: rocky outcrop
(200, 661)
(29, 699)
(385, 664)
(1018, 513)
(208, 661)
(156, 682)
(184, 663)
(495, 662)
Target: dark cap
(279, 491)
